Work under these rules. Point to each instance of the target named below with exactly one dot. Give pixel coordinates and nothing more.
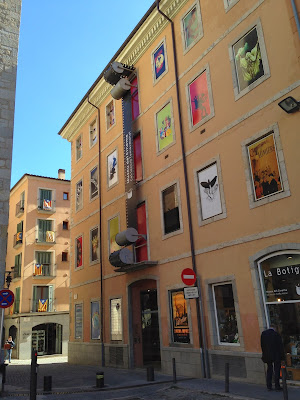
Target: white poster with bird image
(209, 192)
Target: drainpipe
(200, 318)
(100, 238)
(296, 16)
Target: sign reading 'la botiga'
(282, 283)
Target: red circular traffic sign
(6, 298)
(188, 276)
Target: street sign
(6, 298)
(191, 292)
(188, 276)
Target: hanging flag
(43, 303)
(49, 236)
(19, 237)
(47, 204)
(38, 269)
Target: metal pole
(1, 330)
(284, 385)
(226, 377)
(174, 370)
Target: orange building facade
(196, 155)
(38, 258)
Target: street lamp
(289, 105)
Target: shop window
(135, 107)
(116, 331)
(137, 154)
(179, 317)
(94, 183)
(110, 115)
(65, 225)
(225, 314)
(64, 256)
(93, 133)
(79, 196)
(65, 196)
(79, 148)
(171, 218)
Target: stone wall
(10, 13)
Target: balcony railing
(47, 206)
(43, 270)
(42, 305)
(20, 208)
(18, 239)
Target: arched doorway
(145, 324)
(13, 332)
(47, 338)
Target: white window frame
(93, 127)
(180, 230)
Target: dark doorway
(47, 339)
(150, 327)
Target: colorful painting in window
(95, 249)
(199, 99)
(264, 167)
(192, 27)
(113, 226)
(164, 127)
(209, 192)
(79, 195)
(112, 168)
(94, 183)
(110, 115)
(159, 60)
(78, 252)
(95, 320)
(180, 323)
(248, 59)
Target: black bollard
(284, 385)
(174, 370)
(33, 375)
(150, 374)
(100, 379)
(226, 377)
(47, 383)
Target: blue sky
(64, 46)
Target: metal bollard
(284, 385)
(174, 370)
(100, 379)
(47, 383)
(150, 374)
(226, 377)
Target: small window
(179, 317)
(64, 256)
(79, 196)
(78, 148)
(170, 209)
(45, 200)
(93, 133)
(65, 225)
(110, 115)
(135, 107)
(66, 196)
(225, 314)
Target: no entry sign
(188, 276)
(6, 298)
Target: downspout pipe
(200, 318)
(296, 16)
(100, 237)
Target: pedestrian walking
(272, 355)
(8, 346)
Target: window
(78, 321)
(42, 298)
(113, 229)
(228, 4)
(16, 307)
(135, 107)
(94, 245)
(64, 256)
(18, 266)
(225, 314)
(65, 196)
(45, 231)
(171, 216)
(159, 62)
(94, 183)
(191, 27)
(112, 169)
(79, 196)
(116, 331)
(93, 133)
(165, 135)
(45, 200)
(110, 115)
(78, 147)
(43, 264)
(20, 205)
(141, 251)
(179, 317)
(18, 237)
(95, 320)
(65, 225)
(78, 252)
(137, 154)
(249, 60)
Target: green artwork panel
(165, 129)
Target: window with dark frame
(65, 225)
(170, 209)
(65, 196)
(64, 256)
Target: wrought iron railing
(20, 208)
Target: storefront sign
(282, 283)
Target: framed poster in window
(78, 252)
(78, 321)
(116, 319)
(210, 199)
(164, 127)
(94, 183)
(180, 324)
(112, 168)
(95, 320)
(94, 244)
(113, 229)
(192, 26)
(159, 61)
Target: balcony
(46, 206)
(17, 271)
(18, 239)
(42, 305)
(45, 237)
(20, 208)
(43, 271)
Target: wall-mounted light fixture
(117, 75)
(289, 105)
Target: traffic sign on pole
(188, 276)
(6, 298)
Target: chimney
(61, 174)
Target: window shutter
(34, 300)
(50, 297)
(20, 227)
(43, 257)
(17, 301)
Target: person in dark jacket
(272, 354)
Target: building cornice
(146, 34)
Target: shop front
(280, 283)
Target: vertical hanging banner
(129, 162)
